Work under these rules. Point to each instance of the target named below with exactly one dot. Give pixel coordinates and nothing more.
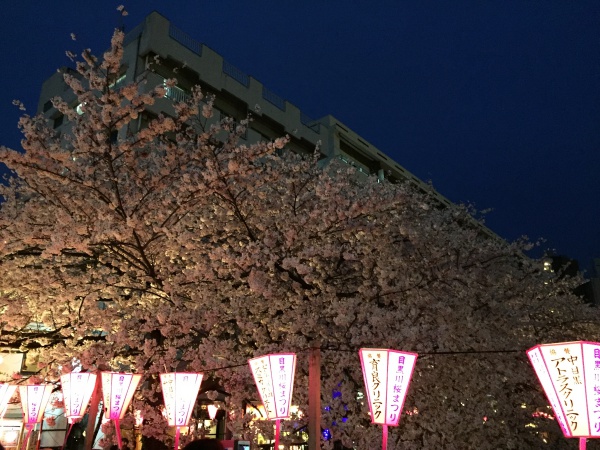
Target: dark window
(59, 121)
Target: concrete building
(237, 94)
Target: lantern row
(387, 374)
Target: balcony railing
(176, 93)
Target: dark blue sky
(496, 102)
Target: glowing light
(212, 411)
(34, 399)
(387, 374)
(117, 392)
(179, 393)
(274, 378)
(77, 388)
(570, 375)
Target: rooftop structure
(156, 50)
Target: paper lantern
(77, 389)
(570, 375)
(117, 392)
(274, 378)
(387, 374)
(6, 393)
(34, 399)
(180, 390)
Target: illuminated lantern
(570, 375)
(180, 390)
(212, 411)
(77, 389)
(274, 378)
(34, 398)
(387, 374)
(6, 393)
(117, 392)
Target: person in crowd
(204, 444)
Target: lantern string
(349, 350)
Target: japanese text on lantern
(537, 360)
(591, 375)
(566, 371)
(387, 374)
(180, 390)
(118, 389)
(274, 378)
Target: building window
(59, 121)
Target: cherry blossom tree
(179, 246)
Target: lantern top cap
(387, 350)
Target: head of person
(204, 444)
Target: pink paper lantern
(77, 389)
(387, 374)
(34, 399)
(274, 378)
(117, 392)
(180, 390)
(570, 375)
(6, 393)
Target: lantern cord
(67, 436)
(447, 353)
(421, 354)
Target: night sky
(496, 102)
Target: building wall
(156, 50)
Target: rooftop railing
(185, 39)
(235, 73)
(273, 98)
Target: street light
(274, 378)
(180, 390)
(387, 374)
(570, 375)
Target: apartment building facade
(156, 50)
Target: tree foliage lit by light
(179, 246)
